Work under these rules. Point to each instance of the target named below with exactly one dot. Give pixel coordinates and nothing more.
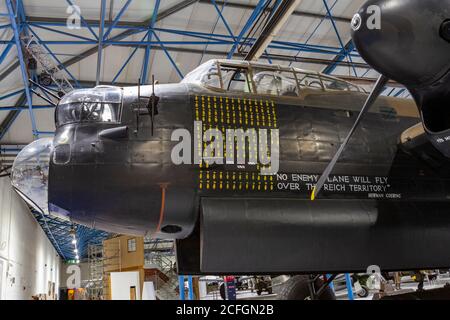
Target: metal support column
(181, 287)
(331, 285)
(345, 50)
(251, 20)
(100, 41)
(191, 288)
(273, 26)
(144, 75)
(227, 26)
(348, 281)
(22, 66)
(166, 52)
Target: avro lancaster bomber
(225, 162)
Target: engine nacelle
(409, 41)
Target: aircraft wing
(415, 141)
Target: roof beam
(144, 75)
(11, 116)
(237, 55)
(6, 123)
(348, 47)
(184, 4)
(302, 13)
(9, 70)
(100, 41)
(117, 18)
(252, 20)
(276, 22)
(23, 68)
(162, 15)
(340, 57)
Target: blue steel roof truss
(59, 232)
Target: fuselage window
(87, 112)
(100, 104)
(310, 81)
(271, 82)
(212, 78)
(353, 88)
(267, 83)
(235, 79)
(334, 84)
(206, 74)
(98, 112)
(288, 84)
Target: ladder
(159, 255)
(38, 52)
(168, 289)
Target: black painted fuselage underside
(382, 205)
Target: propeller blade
(376, 91)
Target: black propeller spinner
(407, 41)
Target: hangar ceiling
(184, 34)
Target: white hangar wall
(28, 262)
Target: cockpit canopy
(256, 78)
(30, 173)
(99, 104)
